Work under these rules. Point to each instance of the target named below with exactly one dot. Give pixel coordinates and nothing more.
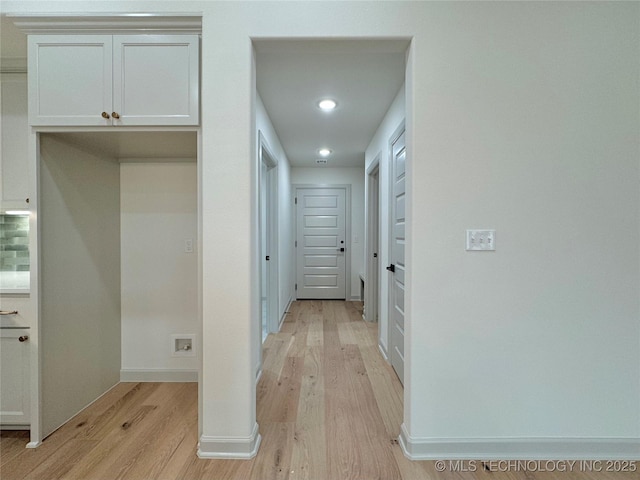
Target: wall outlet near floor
(479, 240)
(183, 345)
(188, 245)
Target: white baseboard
(4, 426)
(241, 448)
(383, 351)
(284, 314)
(158, 375)
(519, 448)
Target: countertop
(15, 282)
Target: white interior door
(397, 266)
(268, 190)
(321, 243)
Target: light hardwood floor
(328, 405)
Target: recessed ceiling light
(324, 152)
(327, 104)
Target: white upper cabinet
(113, 80)
(14, 165)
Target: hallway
(328, 404)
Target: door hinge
(296, 243)
(375, 255)
(296, 286)
(267, 258)
(295, 200)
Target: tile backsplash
(14, 243)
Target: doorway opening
(318, 152)
(372, 286)
(268, 226)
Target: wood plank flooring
(328, 405)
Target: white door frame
(347, 231)
(269, 232)
(390, 278)
(372, 264)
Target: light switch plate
(481, 240)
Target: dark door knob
(391, 268)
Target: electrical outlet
(183, 345)
(188, 246)
(481, 240)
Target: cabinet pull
(115, 115)
(23, 338)
(7, 312)
(105, 115)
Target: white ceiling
(363, 76)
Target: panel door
(15, 400)
(155, 79)
(397, 267)
(70, 79)
(321, 243)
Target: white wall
(535, 135)
(342, 176)
(284, 253)
(379, 148)
(79, 254)
(159, 279)
(285, 229)
(521, 116)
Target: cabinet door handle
(105, 115)
(115, 115)
(7, 312)
(23, 338)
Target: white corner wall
(159, 278)
(79, 259)
(523, 117)
(342, 176)
(379, 148)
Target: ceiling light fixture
(327, 105)
(324, 152)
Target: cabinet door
(14, 159)
(15, 400)
(70, 79)
(156, 79)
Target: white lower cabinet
(15, 399)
